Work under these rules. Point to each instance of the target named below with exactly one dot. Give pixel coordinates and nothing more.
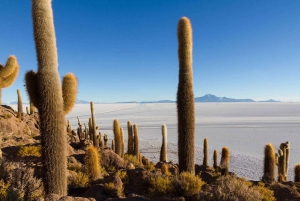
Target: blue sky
(127, 50)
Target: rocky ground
(129, 179)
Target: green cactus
(92, 163)
(95, 140)
(205, 152)
(136, 141)
(130, 138)
(185, 99)
(269, 164)
(118, 137)
(215, 159)
(297, 173)
(8, 73)
(46, 93)
(163, 149)
(20, 105)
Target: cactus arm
(7, 81)
(10, 66)
(32, 87)
(69, 90)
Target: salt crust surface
(245, 128)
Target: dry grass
(78, 179)
(132, 159)
(160, 186)
(187, 184)
(113, 190)
(29, 151)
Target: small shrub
(132, 159)
(113, 190)
(6, 116)
(3, 189)
(79, 179)
(29, 151)
(187, 184)
(160, 186)
(77, 167)
(123, 175)
(267, 194)
(149, 167)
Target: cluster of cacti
(8, 73)
(46, 93)
(163, 149)
(185, 99)
(130, 149)
(205, 152)
(92, 163)
(224, 161)
(136, 141)
(269, 164)
(282, 161)
(20, 104)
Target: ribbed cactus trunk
(136, 141)
(224, 161)
(215, 159)
(95, 140)
(118, 138)
(50, 101)
(205, 152)
(90, 129)
(20, 104)
(163, 149)
(185, 99)
(122, 142)
(130, 138)
(269, 164)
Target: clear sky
(124, 50)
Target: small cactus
(205, 152)
(8, 73)
(269, 164)
(185, 99)
(113, 145)
(130, 138)
(20, 105)
(136, 141)
(163, 149)
(297, 173)
(215, 159)
(105, 139)
(224, 161)
(92, 163)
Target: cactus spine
(118, 137)
(92, 163)
(185, 99)
(95, 141)
(20, 105)
(136, 141)
(8, 73)
(46, 93)
(269, 164)
(130, 138)
(163, 149)
(205, 152)
(215, 159)
(297, 173)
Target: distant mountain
(205, 98)
(213, 98)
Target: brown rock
(110, 158)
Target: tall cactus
(130, 138)
(185, 99)
(122, 142)
(205, 152)
(46, 93)
(20, 104)
(95, 141)
(163, 149)
(8, 73)
(269, 164)
(224, 161)
(136, 141)
(118, 138)
(215, 159)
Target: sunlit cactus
(205, 152)
(20, 104)
(224, 161)
(69, 91)
(118, 137)
(269, 164)
(185, 99)
(130, 138)
(8, 73)
(92, 163)
(163, 149)
(136, 141)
